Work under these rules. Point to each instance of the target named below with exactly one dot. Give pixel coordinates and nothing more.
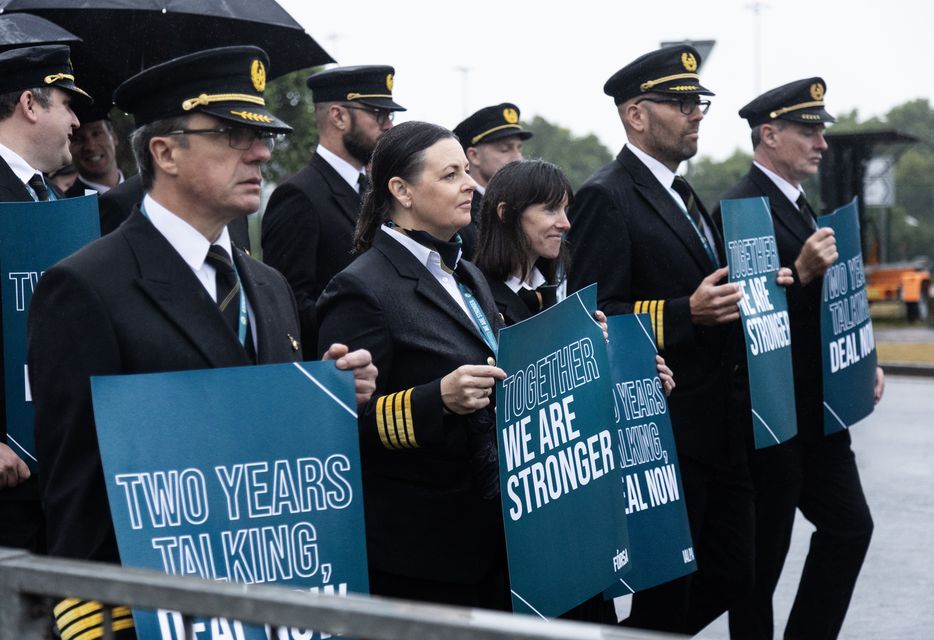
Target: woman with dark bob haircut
(522, 252)
(428, 442)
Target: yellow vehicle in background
(906, 282)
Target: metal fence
(26, 578)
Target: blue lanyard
(703, 238)
(480, 318)
(243, 316)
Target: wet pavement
(894, 447)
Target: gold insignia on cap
(252, 117)
(258, 75)
(55, 77)
(817, 91)
(510, 115)
(389, 82)
(689, 61)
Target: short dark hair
(503, 247)
(8, 101)
(399, 153)
(139, 142)
(756, 134)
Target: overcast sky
(552, 59)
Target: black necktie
(683, 189)
(806, 212)
(364, 183)
(38, 186)
(539, 299)
(228, 293)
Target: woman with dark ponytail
(428, 440)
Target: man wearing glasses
(641, 233)
(164, 292)
(309, 221)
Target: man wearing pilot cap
(811, 472)
(166, 291)
(641, 233)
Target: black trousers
(719, 502)
(818, 476)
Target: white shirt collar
(663, 174)
(184, 238)
(17, 165)
(536, 279)
(789, 190)
(344, 169)
(420, 251)
(101, 188)
(480, 190)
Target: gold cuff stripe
(77, 612)
(206, 99)
(91, 634)
(95, 620)
(653, 305)
(394, 420)
(409, 424)
(398, 421)
(645, 86)
(795, 107)
(121, 612)
(65, 605)
(98, 632)
(660, 325)
(480, 136)
(381, 421)
(360, 96)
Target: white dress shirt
(666, 177)
(344, 169)
(431, 259)
(18, 166)
(193, 249)
(789, 190)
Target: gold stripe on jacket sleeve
(660, 332)
(398, 421)
(74, 613)
(381, 422)
(409, 424)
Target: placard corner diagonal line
(526, 603)
(325, 389)
(834, 414)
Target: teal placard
(752, 255)
(247, 474)
(659, 533)
(848, 345)
(33, 237)
(563, 511)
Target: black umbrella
(122, 37)
(22, 29)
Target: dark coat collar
(344, 194)
(660, 200)
(783, 210)
(408, 266)
(169, 282)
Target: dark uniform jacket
(20, 514)
(508, 303)
(116, 204)
(126, 303)
(630, 237)
(791, 232)
(425, 517)
(77, 188)
(308, 234)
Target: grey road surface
(894, 598)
